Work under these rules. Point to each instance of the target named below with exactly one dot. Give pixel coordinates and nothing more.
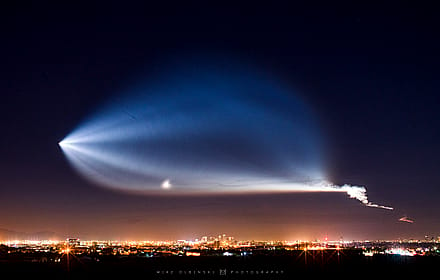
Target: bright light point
(166, 184)
(66, 143)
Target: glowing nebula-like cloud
(205, 130)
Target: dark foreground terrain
(297, 264)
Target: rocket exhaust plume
(273, 186)
(356, 192)
(216, 128)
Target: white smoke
(268, 186)
(356, 192)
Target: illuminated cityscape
(221, 245)
(217, 256)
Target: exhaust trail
(357, 192)
(207, 128)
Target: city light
(221, 245)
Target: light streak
(406, 220)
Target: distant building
(73, 242)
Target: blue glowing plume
(203, 129)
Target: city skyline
(227, 239)
(299, 96)
(217, 246)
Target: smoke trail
(272, 186)
(356, 192)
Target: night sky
(368, 73)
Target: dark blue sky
(369, 72)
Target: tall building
(73, 242)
